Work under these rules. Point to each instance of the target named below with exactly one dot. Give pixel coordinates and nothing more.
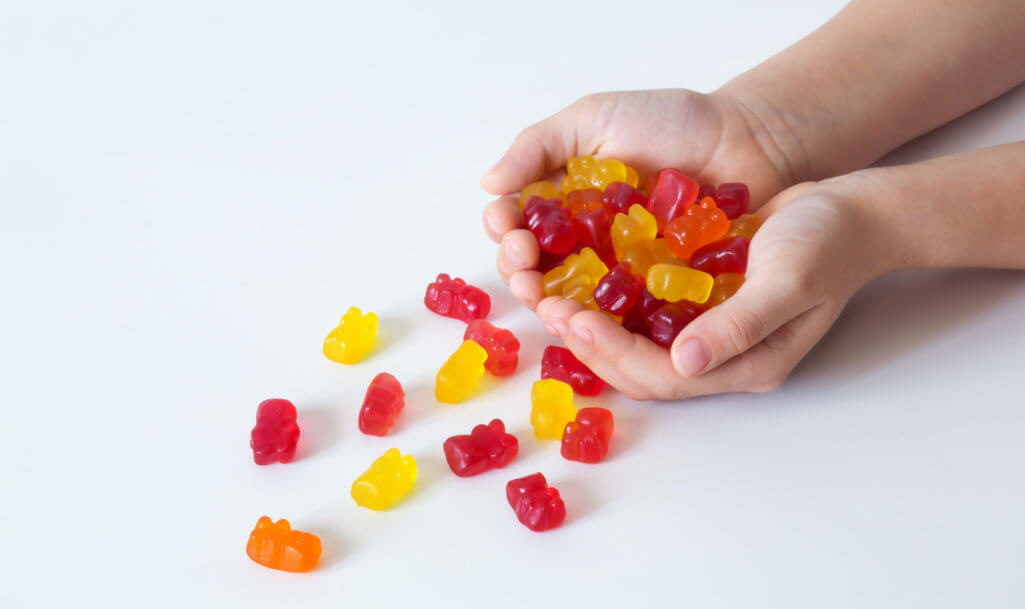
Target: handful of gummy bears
(655, 259)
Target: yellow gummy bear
(642, 256)
(551, 407)
(673, 282)
(458, 376)
(588, 172)
(353, 338)
(577, 269)
(632, 228)
(390, 478)
(545, 190)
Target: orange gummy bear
(276, 545)
(745, 225)
(700, 225)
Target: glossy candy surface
(458, 376)
(276, 434)
(551, 407)
(580, 201)
(744, 226)
(700, 224)
(584, 267)
(588, 172)
(457, 299)
(278, 546)
(727, 255)
(390, 478)
(381, 405)
(485, 447)
(586, 439)
(353, 338)
(537, 505)
(618, 290)
(672, 194)
(632, 228)
(733, 198)
(647, 253)
(545, 190)
(559, 363)
(592, 230)
(501, 345)
(673, 282)
(550, 224)
(670, 320)
(619, 197)
(725, 286)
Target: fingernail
(692, 356)
(583, 334)
(491, 224)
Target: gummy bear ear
(264, 522)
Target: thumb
(757, 310)
(538, 150)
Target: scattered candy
(390, 478)
(276, 433)
(537, 505)
(501, 345)
(382, 405)
(458, 376)
(560, 364)
(353, 338)
(486, 447)
(587, 438)
(457, 299)
(277, 546)
(551, 407)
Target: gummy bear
(673, 282)
(537, 505)
(457, 299)
(382, 405)
(634, 322)
(587, 172)
(671, 319)
(647, 304)
(276, 433)
(631, 228)
(501, 345)
(706, 190)
(581, 289)
(733, 198)
(647, 253)
(458, 376)
(700, 224)
(725, 286)
(585, 264)
(551, 408)
(618, 290)
(727, 255)
(277, 546)
(353, 338)
(580, 201)
(672, 194)
(587, 438)
(545, 190)
(486, 447)
(550, 224)
(390, 478)
(744, 226)
(559, 363)
(619, 197)
(592, 230)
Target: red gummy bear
(672, 193)
(276, 433)
(560, 364)
(723, 256)
(537, 505)
(487, 447)
(457, 299)
(502, 347)
(593, 230)
(671, 319)
(587, 438)
(618, 290)
(551, 225)
(619, 196)
(733, 199)
(382, 405)
(648, 305)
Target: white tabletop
(192, 195)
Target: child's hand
(713, 138)
(808, 259)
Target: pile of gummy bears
(673, 254)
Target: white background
(194, 192)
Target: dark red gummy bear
(671, 319)
(382, 405)
(486, 447)
(724, 256)
(634, 322)
(593, 230)
(502, 347)
(551, 225)
(618, 290)
(276, 433)
(706, 190)
(619, 196)
(560, 364)
(672, 194)
(647, 304)
(457, 299)
(733, 199)
(537, 505)
(587, 438)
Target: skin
(792, 129)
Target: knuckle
(743, 330)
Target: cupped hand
(713, 138)
(811, 255)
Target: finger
(537, 150)
(518, 252)
(501, 216)
(555, 312)
(757, 309)
(526, 287)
